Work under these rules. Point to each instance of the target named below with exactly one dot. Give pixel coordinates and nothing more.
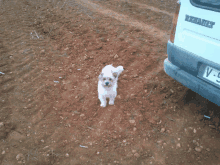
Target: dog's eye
(110, 79)
(104, 79)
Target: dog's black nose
(106, 83)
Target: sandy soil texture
(51, 53)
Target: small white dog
(107, 85)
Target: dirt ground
(51, 53)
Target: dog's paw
(111, 102)
(103, 105)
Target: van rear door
(198, 28)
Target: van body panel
(198, 31)
(194, 57)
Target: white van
(194, 47)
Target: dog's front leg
(112, 100)
(102, 100)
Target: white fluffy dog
(107, 85)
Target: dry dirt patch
(52, 53)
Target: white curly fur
(109, 76)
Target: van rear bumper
(196, 84)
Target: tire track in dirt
(126, 20)
(43, 111)
(101, 117)
(134, 11)
(62, 116)
(168, 5)
(111, 117)
(141, 5)
(107, 118)
(21, 62)
(111, 112)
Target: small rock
(212, 126)
(178, 145)
(3, 152)
(1, 124)
(124, 141)
(129, 114)
(140, 102)
(178, 139)
(186, 131)
(194, 130)
(132, 95)
(46, 147)
(162, 130)
(159, 122)
(136, 155)
(116, 56)
(159, 141)
(124, 76)
(171, 91)
(82, 115)
(67, 155)
(190, 149)
(198, 149)
(20, 157)
(119, 96)
(82, 158)
(42, 141)
(207, 149)
(132, 121)
(134, 129)
(97, 153)
(133, 151)
(135, 76)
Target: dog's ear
(115, 74)
(100, 76)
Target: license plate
(212, 74)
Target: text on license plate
(212, 74)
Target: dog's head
(108, 79)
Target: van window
(213, 5)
